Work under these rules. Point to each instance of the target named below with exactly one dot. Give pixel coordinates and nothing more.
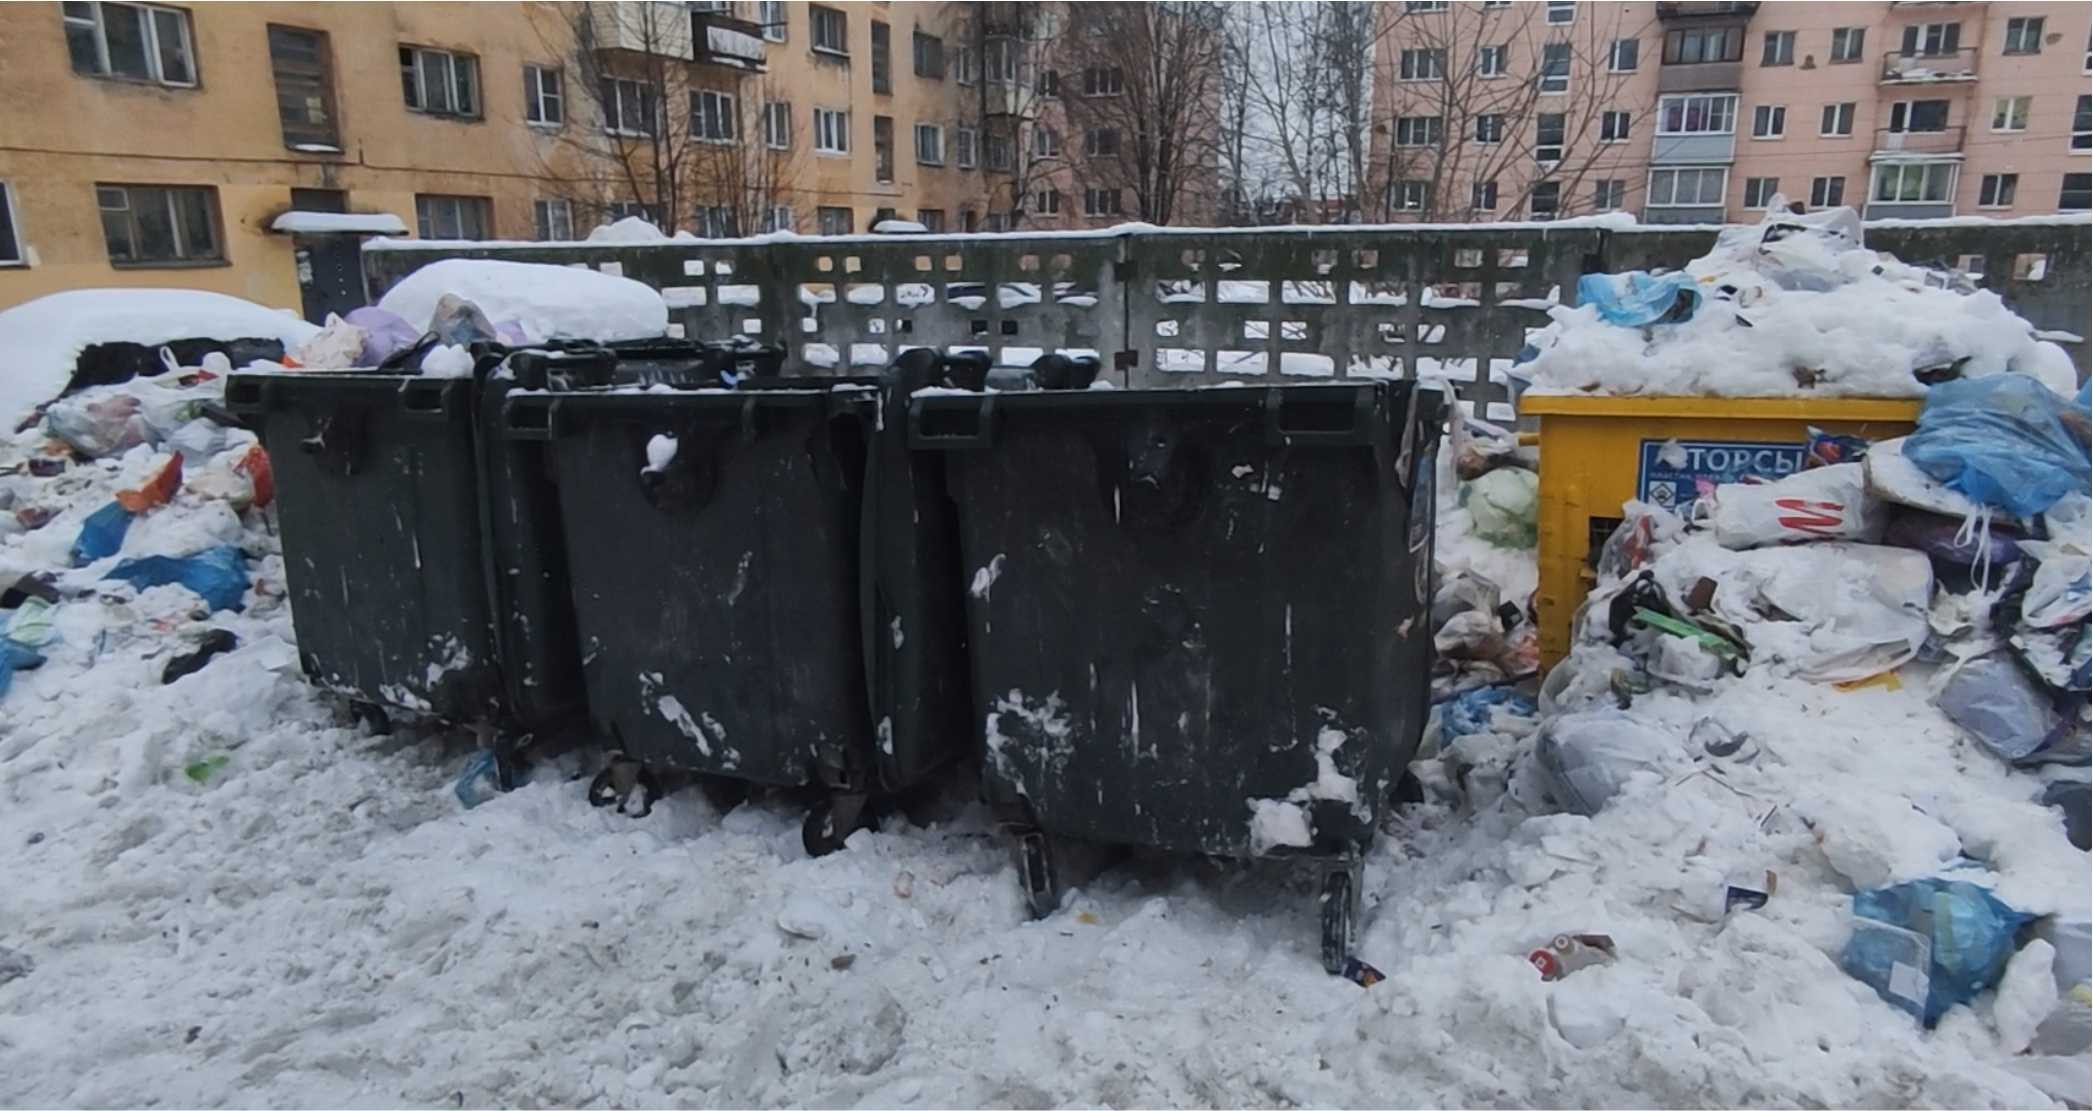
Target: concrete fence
(1187, 306)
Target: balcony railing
(1947, 140)
(1697, 11)
(722, 40)
(1918, 69)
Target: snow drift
(550, 302)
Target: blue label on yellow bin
(1675, 472)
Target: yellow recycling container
(1597, 452)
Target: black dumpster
(1197, 617)
(762, 584)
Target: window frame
(1700, 176)
(1623, 134)
(542, 209)
(14, 251)
(1414, 64)
(880, 45)
(1777, 48)
(2030, 28)
(2082, 123)
(150, 43)
(1922, 34)
(535, 96)
(1104, 81)
(1609, 194)
(614, 98)
(965, 155)
(2004, 190)
(1567, 8)
(1839, 112)
(1663, 114)
(774, 30)
(1827, 191)
(1407, 129)
(777, 126)
(1541, 145)
(816, 15)
(2027, 108)
(1480, 191)
(993, 145)
(323, 52)
(705, 106)
(1613, 55)
(2084, 192)
(1554, 82)
(484, 206)
(1908, 109)
(1675, 40)
(181, 259)
(1047, 202)
(419, 105)
(1500, 54)
(1495, 120)
(1401, 191)
(1775, 117)
(1854, 40)
(883, 160)
(1094, 198)
(927, 54)
(1767, 188)
(937, 154)
(1094, 143)
(1884, 171)
(831, 123)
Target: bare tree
(1486, 109)
(1009, 54)
(740, 175)
(1142, 92)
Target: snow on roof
(41, 339)
(548, 301)
(899, 227)
(321, 223)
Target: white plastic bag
(1824, 503)
(1846, 611)
(338, 346)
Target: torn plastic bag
(1950, 544)
(197, 441)
(217, 575)
(338, 346)
(460, 323)
(101, 534)
(155, 491)
(384, 332)
(2005, 440)
(1926, 945)
(2062, 590)
(1822, 503)
(1634, 298)
(1587, 757)
(1502, 505)
(1834, 611)
(1475, 711)
(2069, 1028)
(16, 657)
(1824, 449)
(105, 426)
(1994, 700)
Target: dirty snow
(548, 301)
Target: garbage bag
(217, 575)
(338, 346)
(2005, 440)
(1587, 757)
(1821, 503)
(1948, 543)
(197, 441)
(460, 323)
(105, 426)
(102, 534)
(1993, 700)
(1472, 711)
(2069, 1028)
(384, 332)
(2061, 592)
(1502, 505)
(1926, 945)
(1849, 611)
(1893, 477)
(155, 491)
(15, 657)
(1637, 297)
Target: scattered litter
(2008, 443)
(217, 575)
(1361, 973)
(1567, 953)
(1927, 945)
(214, 643)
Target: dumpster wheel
(1339, 903)
(371, 716)
(627, 784)
(831, 821)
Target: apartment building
(247, 148)
(1704, 112)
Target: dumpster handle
(424, 402)
(1360, 431)
(983, 433)
(1402, 459)
(529, 418)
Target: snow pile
(631, 229)
(41, 339)
(1796, 306)
(336, 223)
(548, 301)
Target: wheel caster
(1339, 904)
(831, 822)
(372, 717)
(626, 784)
(1035, 864)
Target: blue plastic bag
(102, 534)
(1638, 297)
(16, 657)
(1927, 945)
(217, 575)
(1471, 711)
(2003, 441)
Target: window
(831, 131)
(2076, 195)
(628, 107)
(1000, 151)
(831, 31)
(997, 222)
(1420, 131)
(553, 217)
(1046, 142)
(1409, 196)
(1101, 142)
(1424, 5)
(1621, 56)
(1759, 191)
(1483, 196)
(777, 125)
(1779, 49)
(1555, 67)
(1614, 126)
(1609, 193)
(1769, 121)
(1105, 80)
(1489, 60)
(1697, 114)
(963, 147)
(439, 82)
(1694, 45)
(160, 225)
(1997, 190)
(1489, 127)
(135, 42)
(1919, 115)
(1548, 137)
(1838, 119)
(1423, 65)
(778, 217)
(1102, 202)
(930, 55)
(1049, 83)
(1827, 192)
(966, 65)
(2082, 124)
(930, 144)
(544, 99)
(1546, 200)
(437, 216)
(1688, 188)
(10, 238)
(882, 57)
(713, 118)
(2024, 35)
(1847, 44)
(619, 210)
(932, 219)
(771, 14)
(2010, 113)
(715, 221)
(1932, 39)
(303, 68)
(1562, 11)
(1913, 182)
(883, 149)
(833, 220)
(1048, 203)
(1000, 63)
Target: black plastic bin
(772, 603)
(1188, 608)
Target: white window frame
(1409, 195)
(1768, 188)
(1621, 134)
(779, 217)
(537, 98)
(716, 221)
(14, 253)
(1909, 108)
(1842, 112)
(1046, 142)
(1542, 150)
(1730, 115)
(1613, 55)
(1785, 55)
(1490, 61)
(1821, 189)
(1102, 81)
(1553, 84)
(2081, 137)
(1483, 191)
(553, 218)
(1094, 202)
(1649, 195)
(1899, 170)
(715, 117)
(1854, 40)
(1773, 117)
(1497, 132)
(777, 124)
(815, 38)
(2006, 104)
(1094, 144)
(1922, 44)
(966, 68)
(2031, 28)
(1610, 194)
(457, 203)
(1412, 7)
(1420, 131)
(1047, 202)
(775, 18)
(1421, 63)
(616, 102)
(2008, 184)
(966, 144)
(156, 74)
(181, 258)
(1567, 9)
(423, 57)
(832, 131)
(933, 153)
(1000, 61)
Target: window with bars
(440, 82)
(302, 67)
(544, 96)
(131, 42)
(160, 225)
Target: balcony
(1007, 98)
(1899, 68)
(718, 39)
(1695, 77)
(1701, 11)
(1891, 145)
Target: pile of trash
(1793, 306)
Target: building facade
(1704, 112)
(243, 148)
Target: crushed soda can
(1567, 953)
(1361, 973)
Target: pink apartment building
(1702, 112)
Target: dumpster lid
(296, 222)
(1729, 408)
